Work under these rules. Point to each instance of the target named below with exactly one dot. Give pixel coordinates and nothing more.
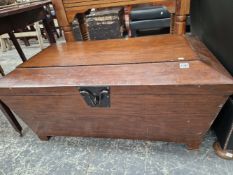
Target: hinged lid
(166, 60)
(155, 49)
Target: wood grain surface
(64, 66)
(164, 48)
(177, 118)
(151, 96)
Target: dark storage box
(105, 24)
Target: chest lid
(166, 60)
(166, 48)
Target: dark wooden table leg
(2, 71)
(49, 31)
(17, 46)
(11, 118)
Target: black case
(212, 21)
(148, 12)
(223, 126)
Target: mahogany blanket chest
(168, 88)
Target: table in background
(19, 16)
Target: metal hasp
(96, 96)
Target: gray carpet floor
(28, 155)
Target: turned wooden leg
(83, 26)
(172, 23)
(182, 10)
(68, 33)
(43, 137)
(224, 154)
(193, 145)
(180, 25)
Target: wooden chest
(167, 88)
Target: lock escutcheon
(96, 96)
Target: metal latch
(96, 96)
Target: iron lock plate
(96, 96)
